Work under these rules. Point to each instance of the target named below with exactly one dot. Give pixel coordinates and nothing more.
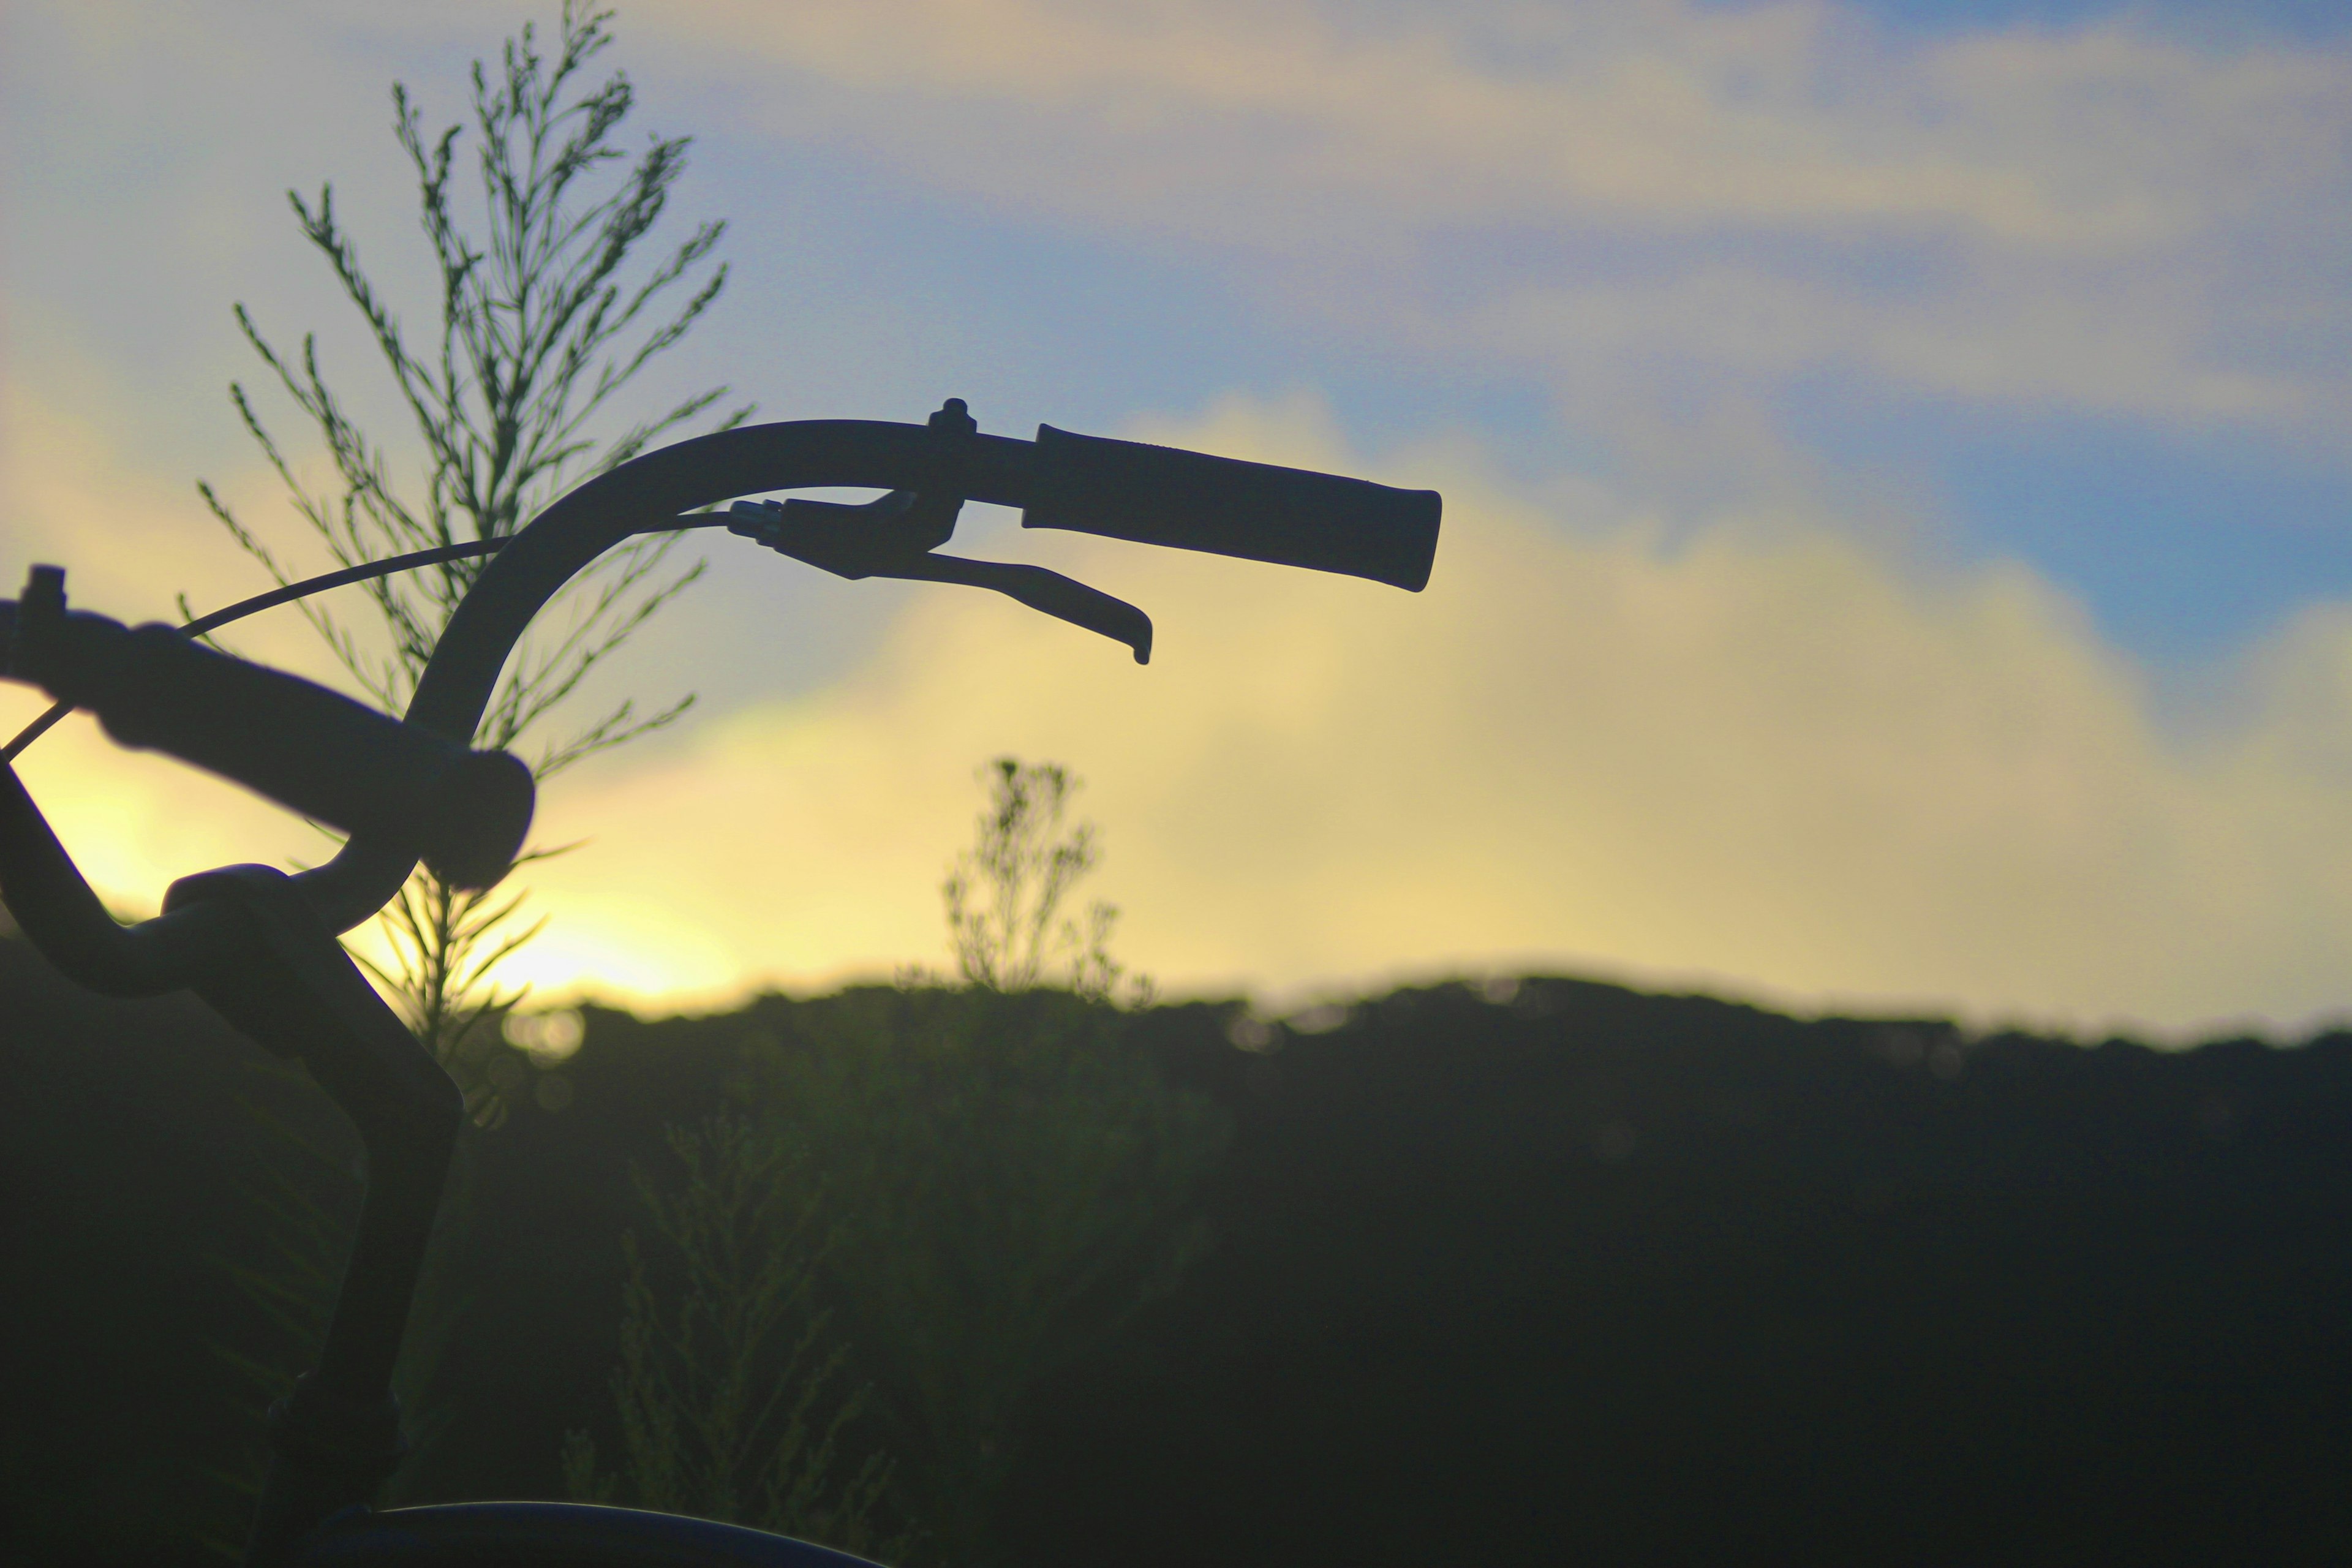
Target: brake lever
(852, 542)
(887, 538)
(869, 539)
(1064, 598)
(896, 535)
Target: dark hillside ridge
(1609, 1277)
(1579, 1275)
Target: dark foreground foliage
(1557, 1273)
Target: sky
(1898, 518)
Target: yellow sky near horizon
(1808, 391)
(1767, 757)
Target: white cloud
(1764, 758)
(1628, 201)
(2103, 217)
(1752, 753)
(1777, 114)
(1747, 750)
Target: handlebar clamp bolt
(40, 615)
(756, 521)
(954, 418)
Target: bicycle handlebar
(1292, 517)
(467, 819)
(303, 746)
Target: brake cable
(285, 594)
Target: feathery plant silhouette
(545, 321)
(542, 324)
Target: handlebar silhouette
(303, 746)
(461, 817)
(1291, 517)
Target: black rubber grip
(1292, 517)
(464, 812)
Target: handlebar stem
(337, 1438)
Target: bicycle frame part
(337, 1438)
(551, 1535)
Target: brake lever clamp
(862, 540)
(34, 623)
(930, 513)
(897, 535)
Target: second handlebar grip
(1292, 517)
(464, 812)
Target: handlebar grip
(303, 746)
(1292, 517)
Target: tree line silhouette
(1546, 1269)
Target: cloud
(1733, 744)
(1776, 114)
(1749, 751)
(2103, 217)
(1763, 757)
